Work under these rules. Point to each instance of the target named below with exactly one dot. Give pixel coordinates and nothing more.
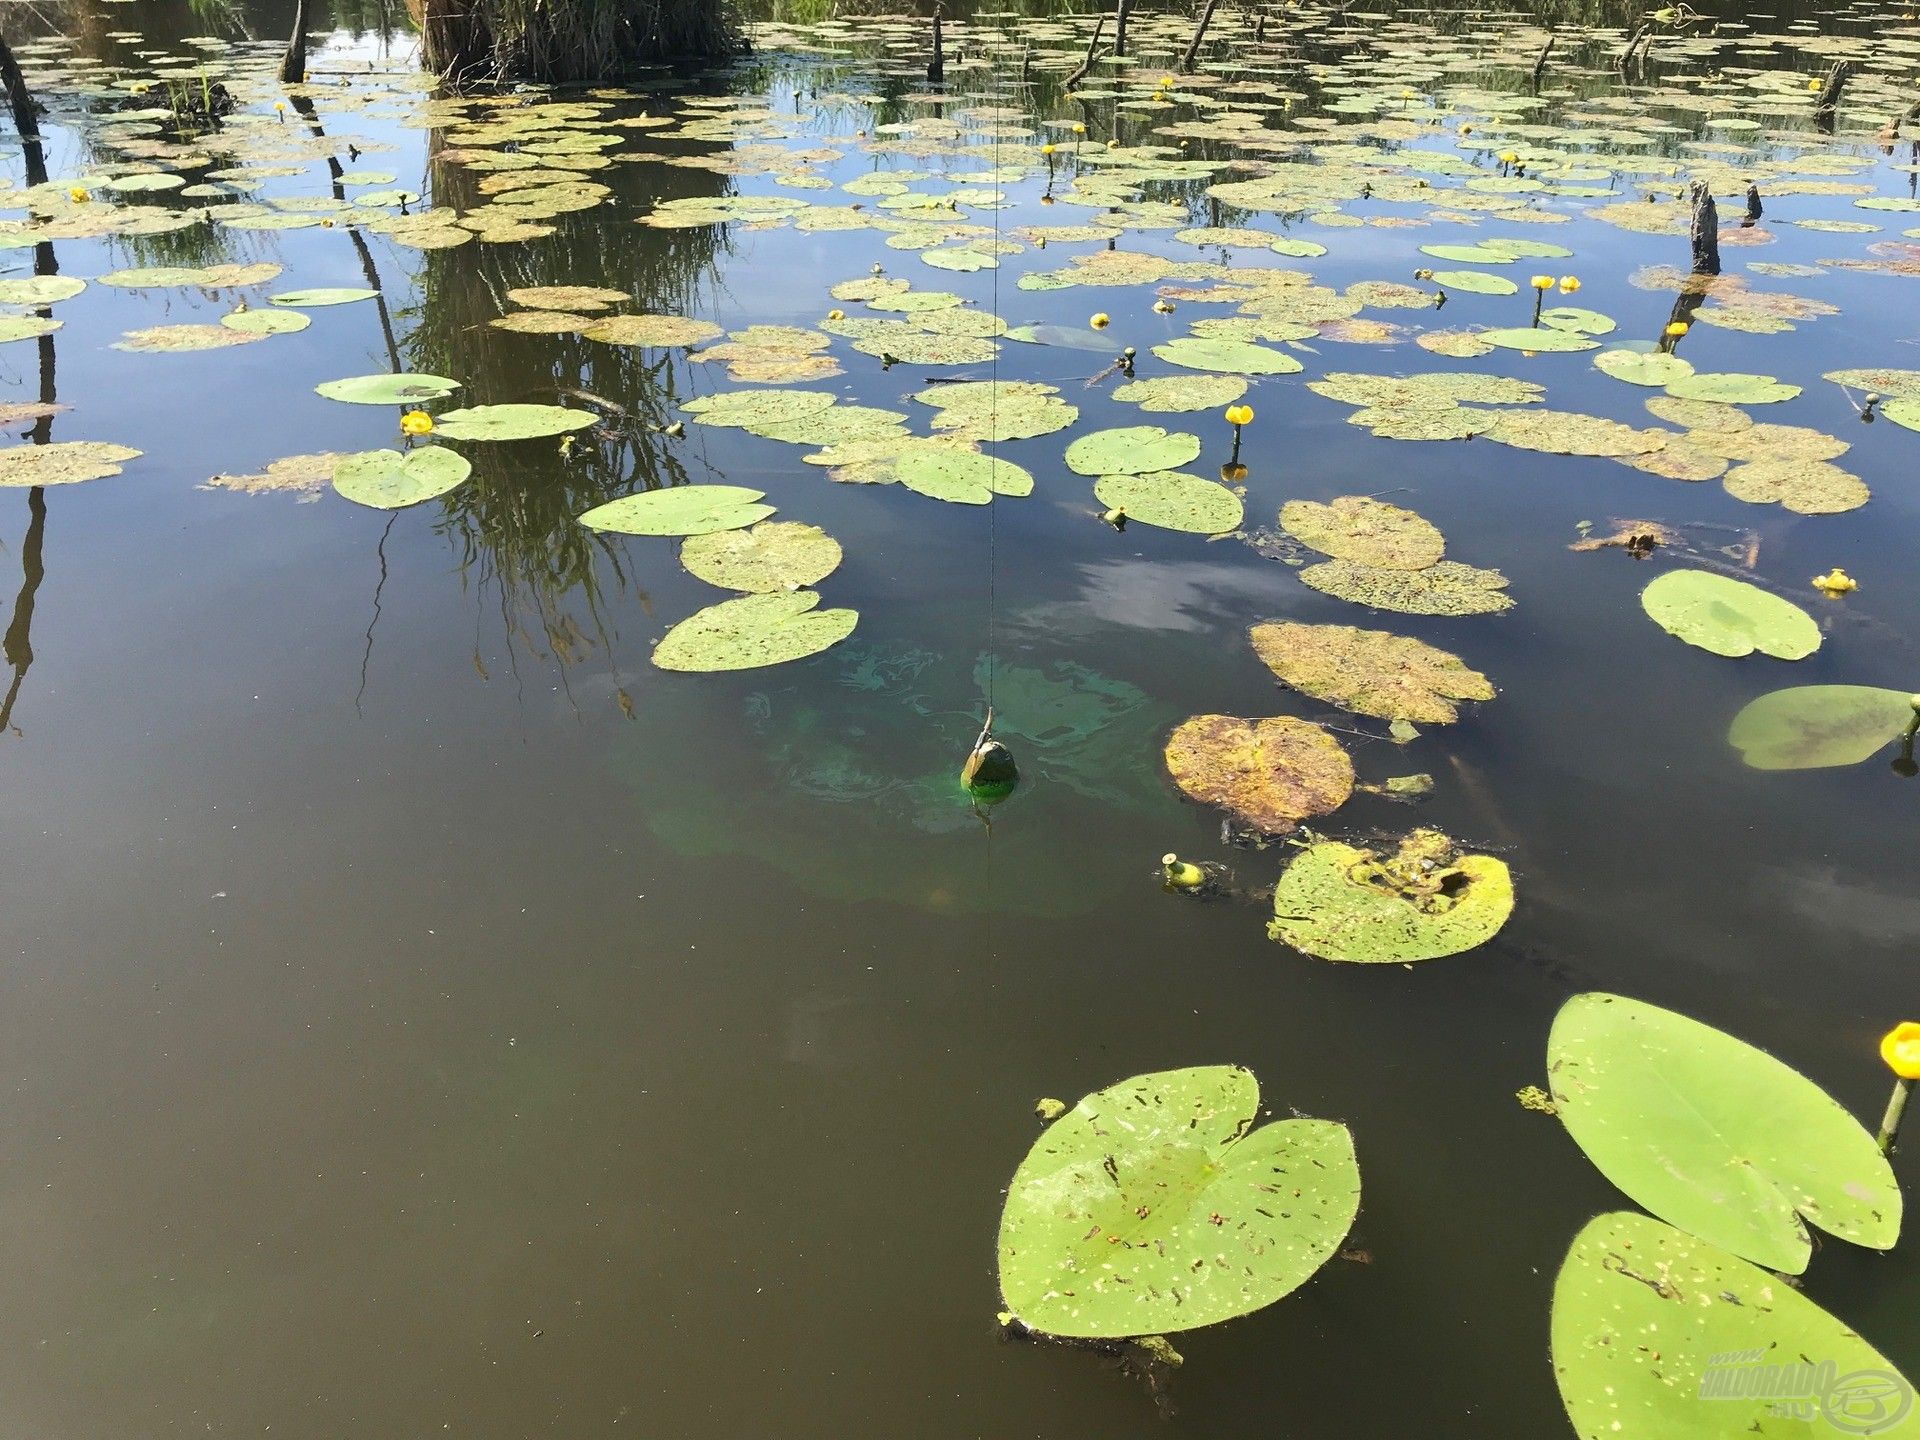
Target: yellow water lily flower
(1100, 321)
(280, 105)
(1677, 328)
(1900, 1048)
(1509, 158)
(78, 195)
(416, 422)
(1046, 149)
(1835, 582)
(1078, 128)
(836, 314)
(1163, 307)
(1543, 282)
(1239, 415)
(1569, 284)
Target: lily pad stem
(1896, 1111)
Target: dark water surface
(420, 1015)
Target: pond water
(424, 1014)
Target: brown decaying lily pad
(1270, 773)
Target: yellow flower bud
(1569, 284)
(416, 422)
(836, 314)
(1239, 415)
(1901, 1050)
(1543, 282)
(1100, 321)
(1678, 328)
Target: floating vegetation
(752, 631)
(1146, 1209)
(1423, 901)
(391, 480)
(1365, 531)
(1268, 774)
(772, 555)
(1370, 672)
(1714, 1136)
(1728, 616)
(1130, 450)
(684, 510)
(1444, 588)
(1811, 727)
(64, 462)
(1172, 500)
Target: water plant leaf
(651, 331)
(1729, 616)
(757, 407)
(64, 462)
(1131, 450)
(1651, 368)
(1474, 282)
(1424, 901)
(1445, 588)
(1810, 727)
(1578, 321)
(578, 299)
(26, 327)
(1182, 393)
(773, 555)
(40, 289)
(180, 339)
(680, 510)
(1232, 357)
(964, 477)
(1370, 672)
(321, 296)
(1715, 1136)
(753, 631)
(1732, 389)
(1632, 1288)
(1155, 1206)
(1543, 340)
(1806, 487)
(1365, 531)
(511, 422)
(1173, 500)
(1269, 774)
(266, 322)
(400, 389)
(391, 480)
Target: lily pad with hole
(1578, 321)
(1729, 616)
(1813, 727)
(1714, 1135)
(1370, 672)
(392, 480)
(1421, 902)
(1659, 1335)
(1131, 450)
(1269, 774)
(753, 631)
(680, 510)
(64, 462)
(1156, 1206)
(773, 555)
(1365, 531)
(403, 389)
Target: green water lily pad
(753, 631)
(1651, 368)
(1424, 901)
(400, 389)
(1365, 531)
(773, 555)
(65, 462)
(26, 327)
(1474, 282)
(1131, 450)
(391, 480)
(680, 510)
(757, 407)
(40, 289)
(576, 299)
(1370, 672)
(1811, 727)
(1156, 1206)
(1728, 616)
(1658, 1335)
(1269, 774)
(1578, 321)
(1231, 357)
(1445, 588)
(1806, 487)
(1173, 500)
(266, 322)
(1182, 393)
(321, 296)
(963, 477)
(182, 339)
(1542, 340)
(1732, 389)
(1715, 1136)
(511, 422)
(651, 331)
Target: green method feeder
(990, 774)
